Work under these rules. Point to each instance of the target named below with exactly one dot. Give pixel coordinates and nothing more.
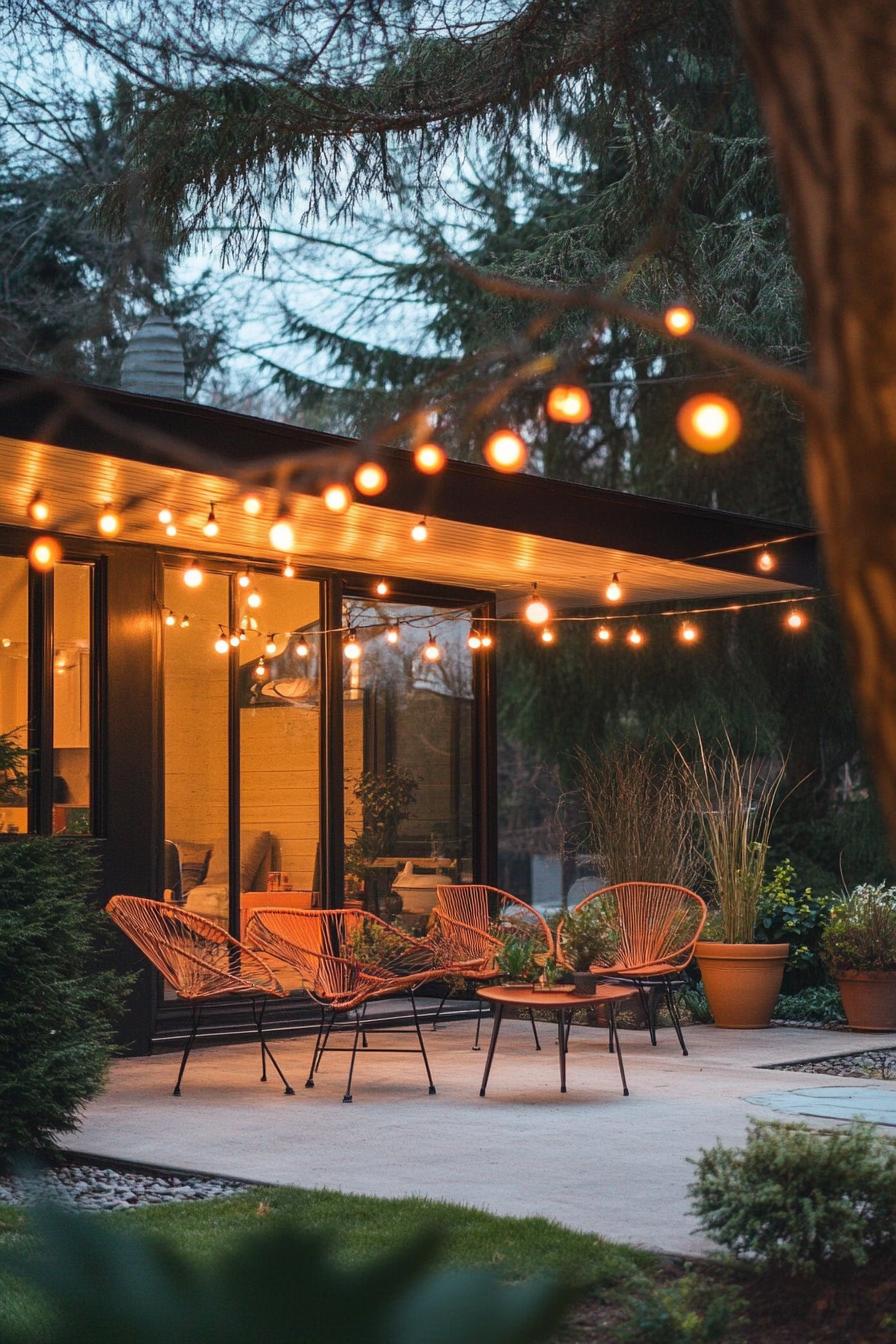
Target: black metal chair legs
(266, 1052)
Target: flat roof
(83, 445)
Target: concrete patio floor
(592, 1159)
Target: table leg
(561, 1042)
(493, 1041)
(615, 1031)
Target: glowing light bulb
(184, 622)
(193, 575)
(288, 571)
(221, 645)
(282, 534)
(260, 670)
(419, 532)
(568, 403)
(603, 634)
(765, 561)
(210, 526)
(244, 578)
(6, 643)
(165, 517)
(44, 553)
(235, 640)
(614, 589)
(709, 423)
(382, 588)
(635, 637)
(431, 651)
(795, 620)
(392, 634)
(487, 641)
(171, 530)
(270, 647)
(351, 648)
(241, 639)
(679, 320)
(429, 458)
(474, 640)
(505, 451)
(688, 633)
(254, 599)
(336, 498)
(39, 509)
(252, 505)
(170, 618)
(537, 611)
(370, 479)
(300, 648)
(547, 636)
(109, 522)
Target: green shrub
(818, 1003)
(861, 933)
(692, 1004)
(786, 915)
(689, 1311)
(798, 1200)
(57, 1003)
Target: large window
(408, 709)
(14, 711)
(72, 672)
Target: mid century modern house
(211, 735)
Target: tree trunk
(825, 77)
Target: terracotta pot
(869, 999)
(742, 981)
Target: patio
(592, 1159)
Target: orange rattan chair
(469, 925)
(655, 927)
(200, 962)
(347, 958)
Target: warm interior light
(254, 599)
(170, 618)
(568, 403)
(614, 589)
(431, 651)
(252, 505)
(210, 527)
(109, 522)
(547, 636)
(39, 509)
(796, 619)
(185, 622)
(382, 588)
(419, 532)
(193, 575)
(429, 458)
(392, 634)
(282, 534)
(603, 634)
(537, 611)
(44, 553)
(765, 561)
(165, 517)
(679, 320)
(370, 479)
(300, 648)
(336, 498)
(474, 640)
(505, 451)
(688, 633)
(351, 648)
(288, 571)
(709, 423)
(487, 641)
(635, 637)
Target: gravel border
(98, 1187)
(877, 1064)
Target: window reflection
(71, 699)
(14, 686)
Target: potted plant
(859, 949)
(384, 799)
(585, 937)
(516, 960)
(735, 800)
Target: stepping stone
(876, 1104)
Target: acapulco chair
(200, 962)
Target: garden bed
(878, 1064)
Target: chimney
(153, 362)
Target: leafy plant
(386, 798)
(861, 933)
(786, 915)
(798, 1200)
(152, 1291)
(13, 769)
(57, 1002)
(735, 800)
(516, 957)
(378, 945)
(588, 936)
(691, 1310)
(818, 1003)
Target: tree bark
(825, 77)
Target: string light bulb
(537, 611)
(282, 534)
(260, 670)
(211, 527)
(474, 640)
(431, 650)
(44, 553)
(614, 589)
(184, 622)
(392, 634)
(679, 320)
(568, 403)
(603, 634)
(709, 422)
(487, 641)
(795, 619)
(382, 588)
(38, 509)
(171, 530)
(170, 618)
(635, 637)
(370, 479)
(244, 578)
(505, 451)
(252, 505)
(765, 561)
(254, 599)
(221, 644)
(351, 647)
(688, 633)
(288, 571)
(109, 523)
(419, 532)
(270, 647)
(547, 636)
(193, 575)
(235, 639)
(300, 648)
(336, 497)
(165, 516)
(429, 458)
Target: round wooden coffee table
(563, 1004)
